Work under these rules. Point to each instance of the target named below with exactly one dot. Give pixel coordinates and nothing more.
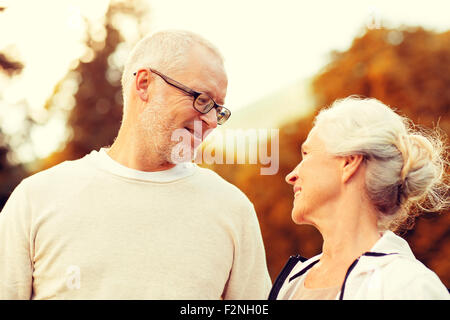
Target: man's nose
(210, 118)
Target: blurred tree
(95, 118)
(408, 69)
(8, 66)
(10, 173)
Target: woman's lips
(297, 191)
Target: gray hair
(164, 51)
(405, 165)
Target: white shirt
(395, 274)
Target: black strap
(377, 254)
(301, 272)
(293, 260)
(341, 296)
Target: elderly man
(130, 221)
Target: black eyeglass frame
(192, 93)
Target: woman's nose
(292, 177)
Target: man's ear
(351, 164)
(141, 83)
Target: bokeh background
(60, 94)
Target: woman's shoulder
(413, 280)
(408, 267)
(405, 275)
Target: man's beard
(157, 127)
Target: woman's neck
(353, 232)
(348, 232)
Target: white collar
(389, 244)
(105, 162)
(392, 243)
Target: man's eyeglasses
(202, 102)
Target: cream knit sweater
(92, 229)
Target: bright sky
(266, 44)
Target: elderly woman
(364, 172)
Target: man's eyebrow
(209, 93)
(216, 100)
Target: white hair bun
(405, 172)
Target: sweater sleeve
(249, 277)
(15, 262)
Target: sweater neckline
(105, 162)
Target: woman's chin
(298, 217)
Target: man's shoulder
(43, 187)
(70, 170)
(215, 183)
(213, 177)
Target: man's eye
(203, 99)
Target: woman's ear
(351, 164)
(141, 83)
